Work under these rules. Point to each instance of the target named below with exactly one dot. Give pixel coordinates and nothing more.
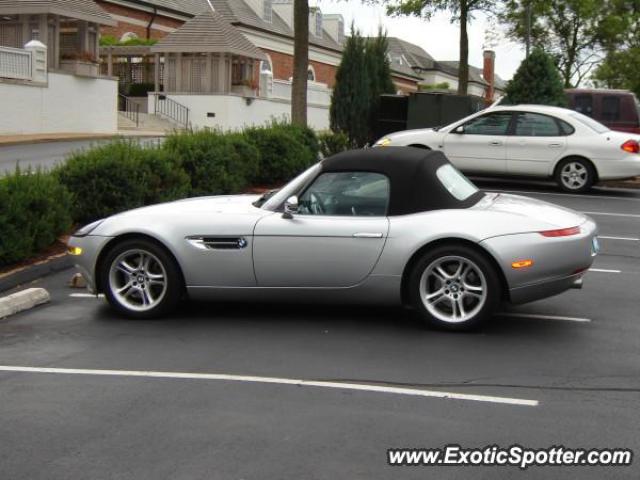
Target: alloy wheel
(453, 289)
(574, 175)
(138, 280)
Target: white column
(178, 72)
(56, 42)
(222, 73)
(156, 72)
(38, 60)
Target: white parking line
(280, 381)
(609, 214)
(628, 239)
(85, 295)
(542, 317)
(604, 270)
(608, 197)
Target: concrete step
(148, 123)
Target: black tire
(479, 310)
(584, 175)
(173, 287)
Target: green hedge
(216, 163)
(332, 143)
(34, 210)
(119, 176)
(284, 152)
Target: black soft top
(412, 176)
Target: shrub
(119, 176)
(217, 163)
(304, 135)
(332, 143)
(34, 210)
(282, 155)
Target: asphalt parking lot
(216, 392)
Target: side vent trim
(218, 243)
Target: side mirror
(459, 129)
(290, 207)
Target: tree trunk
(463, 66)
(300, 62)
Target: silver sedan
(388, 226)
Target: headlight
(384, 142)
(87, 229)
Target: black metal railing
(171, 109)
(129, 108)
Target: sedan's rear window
(589, 122)
(456, 184)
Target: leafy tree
(536, 81)
(349, 112)
(363, 75)
(462, 11)
(300, 62)
(620, 33)
(570, 30)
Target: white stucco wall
(67, 104)
(232, 112)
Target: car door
(479, 145)
(538, 140)
(333, 241)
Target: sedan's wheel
(575, 175)
(454, 288)
(140, 279)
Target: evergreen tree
(363, 75)
(537, 81)
(349, 112)
(379, 74)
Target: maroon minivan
(617, 109)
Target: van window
(584, 104)
(610, 108)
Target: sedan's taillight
(562, 232)
(630, 146)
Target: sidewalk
(66, 137)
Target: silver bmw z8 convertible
(394, 225)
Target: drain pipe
(153, 19)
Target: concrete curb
(126, 135)
(23, 300)
(34, 272)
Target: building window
(311, 74)
(318, 24)
(267, 10)
(266, 66)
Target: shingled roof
(87, 10)
(208, 32)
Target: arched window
(128, 36)
(266, 66)
(311, 74)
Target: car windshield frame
(589, 122)
(295, 186)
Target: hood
(531, 209)
(223, 204)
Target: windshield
(291, 188)
(456, 184)
(589, 122)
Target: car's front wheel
(575, 175)
(454, 288)
(141, 279)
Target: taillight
(630, 146)
(562, 232)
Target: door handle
(367, 235)
(555, 145)
(495, 143)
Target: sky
(438, 36)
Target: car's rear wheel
(575, 175)
(141, 279)
(454, 288)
